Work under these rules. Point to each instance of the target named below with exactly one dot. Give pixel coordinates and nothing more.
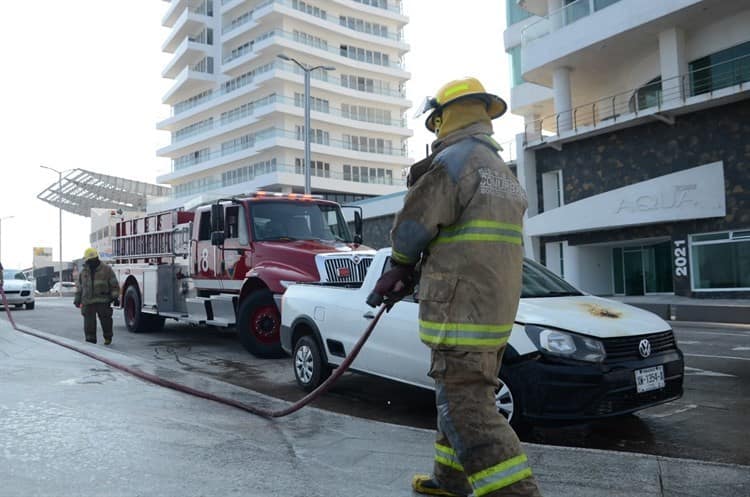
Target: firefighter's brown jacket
(103, 288)
(463, 217)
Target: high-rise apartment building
(237, 118)
(636, 148)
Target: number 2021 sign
(680, 258)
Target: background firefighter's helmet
(90, 253)
(456, 90)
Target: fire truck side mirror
(217, 238)
(217, 218)
(357, 227)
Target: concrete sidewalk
(73, 426)
(677, 308)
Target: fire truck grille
(344, 270)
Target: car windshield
(538, 281)
(13, 274)
(283, 221)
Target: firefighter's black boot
(425, 484)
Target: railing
(562, 17)
(276, 133)
(249, 48)
(216, 184)
(250, 16)
(645, 99)
(205, 127)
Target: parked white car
(570, 357)
(67, 288)
(19, 291)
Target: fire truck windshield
(284, 221)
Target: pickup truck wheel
(259, 325)
(508, 403)
(309, 369)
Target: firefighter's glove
(395, 284)
(77, 304)
(116, 302)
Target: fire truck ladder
(153, 246)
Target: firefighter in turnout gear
(462, 223)
(97, 288)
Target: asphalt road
(708, 423)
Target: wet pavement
(70, 425)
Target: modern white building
(636, 145)
(237, 108)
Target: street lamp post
(307, 70)
(59, 192)
(1, 235)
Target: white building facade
(237, 108)
(636, 146)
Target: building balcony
(590, 34)
(661, 100)
(207, 103)
(238, 58)
(191, 80)
(187, 24)
(189, 53)
(209, 131)
(277, 137)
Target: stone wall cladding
(602, 163)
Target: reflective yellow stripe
(479, 237)
(400, 258)
(455, 89)
(481, 223)
(447, 457)
(481, 230)
(470, 334)
(500, 476)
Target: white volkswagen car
(19, 291)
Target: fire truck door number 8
(204, 260)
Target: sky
(82, 88)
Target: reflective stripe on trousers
(471, 334)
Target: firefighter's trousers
(90, 312)
(476, 449)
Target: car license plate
(649, 379)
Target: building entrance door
(642, 270)
(633, 269)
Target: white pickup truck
(570, 357)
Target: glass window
(515, 66)
(617, 270)
(721, 69)
(538, 281)
(723, 265)
(514, 13)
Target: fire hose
(266, 413)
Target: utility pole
(307, 70)
(59, 193)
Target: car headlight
(565, 344)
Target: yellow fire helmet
(457, 90)
(90, 253)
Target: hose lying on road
(266, 413)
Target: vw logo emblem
(644, 348)
(356, 259)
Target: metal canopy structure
(81, 190)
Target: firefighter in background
(97, 288)
(462, 222)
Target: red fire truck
(227, 263)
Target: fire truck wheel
(135, 320)
(259, 325)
